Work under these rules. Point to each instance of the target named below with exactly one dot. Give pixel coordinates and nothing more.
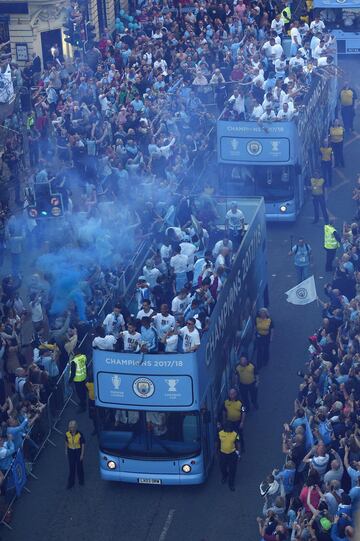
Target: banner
(303, 293)
(6, 86)
(17, 478)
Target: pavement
(111, 511)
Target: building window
(101, 7)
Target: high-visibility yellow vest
(346, 97)
(286, 17)
(317, 186)
(80, 361)
(330, 242)
(73, 440)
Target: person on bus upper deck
(190, 336)
(295, 38)
(103, 341)
(224, 243)
(131, 338)
(163, 322)
(148, 336)
(235, 223)
(317, 26)
(114, 322)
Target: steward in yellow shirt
(228, 454)
(234, 412)
(248, 379)
(348, 98)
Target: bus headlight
(186, 468)
(111, 465)
(283, 208)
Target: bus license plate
(150, 481)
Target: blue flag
(17, 478)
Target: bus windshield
(273, 182)
(149, 434)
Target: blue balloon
(131, 18)
(131, 26)
(117, 20)
(122, 12)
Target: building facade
(34, 26)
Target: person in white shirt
(272, 49)
(165, 251)
(257, 110)
(180, 303)
(317, 26)
(151, 273)
(295, 38)
(280, 67)
(268, 101)
(170, 341)
(320, 50)
(285, 113)
(145, 311)
(224, 243)
(37, 316)
(103, 341)
(277, 25)
(179, 267)
(221, 259)
(315, 40)
(305, 51)
(163, 322)
(114, 322)
(297, 61)
(131, 338)
(324, 61)
(190, 336)
(235, 223)
(303, 29)
(188, 249)
(268, 116)
(238, 102)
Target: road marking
(321, 277)
(273, 275)
(167, 525)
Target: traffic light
(44, 203)
(68, 29)
(90, 33)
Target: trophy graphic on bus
(172, 384)
(116, 381)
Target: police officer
(74, 450)
(78, 376)
(331, 244)
(317, 185)
(234, 413)
(228, 454)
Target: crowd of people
(316, 493)
(113, 133)
(177, 291)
